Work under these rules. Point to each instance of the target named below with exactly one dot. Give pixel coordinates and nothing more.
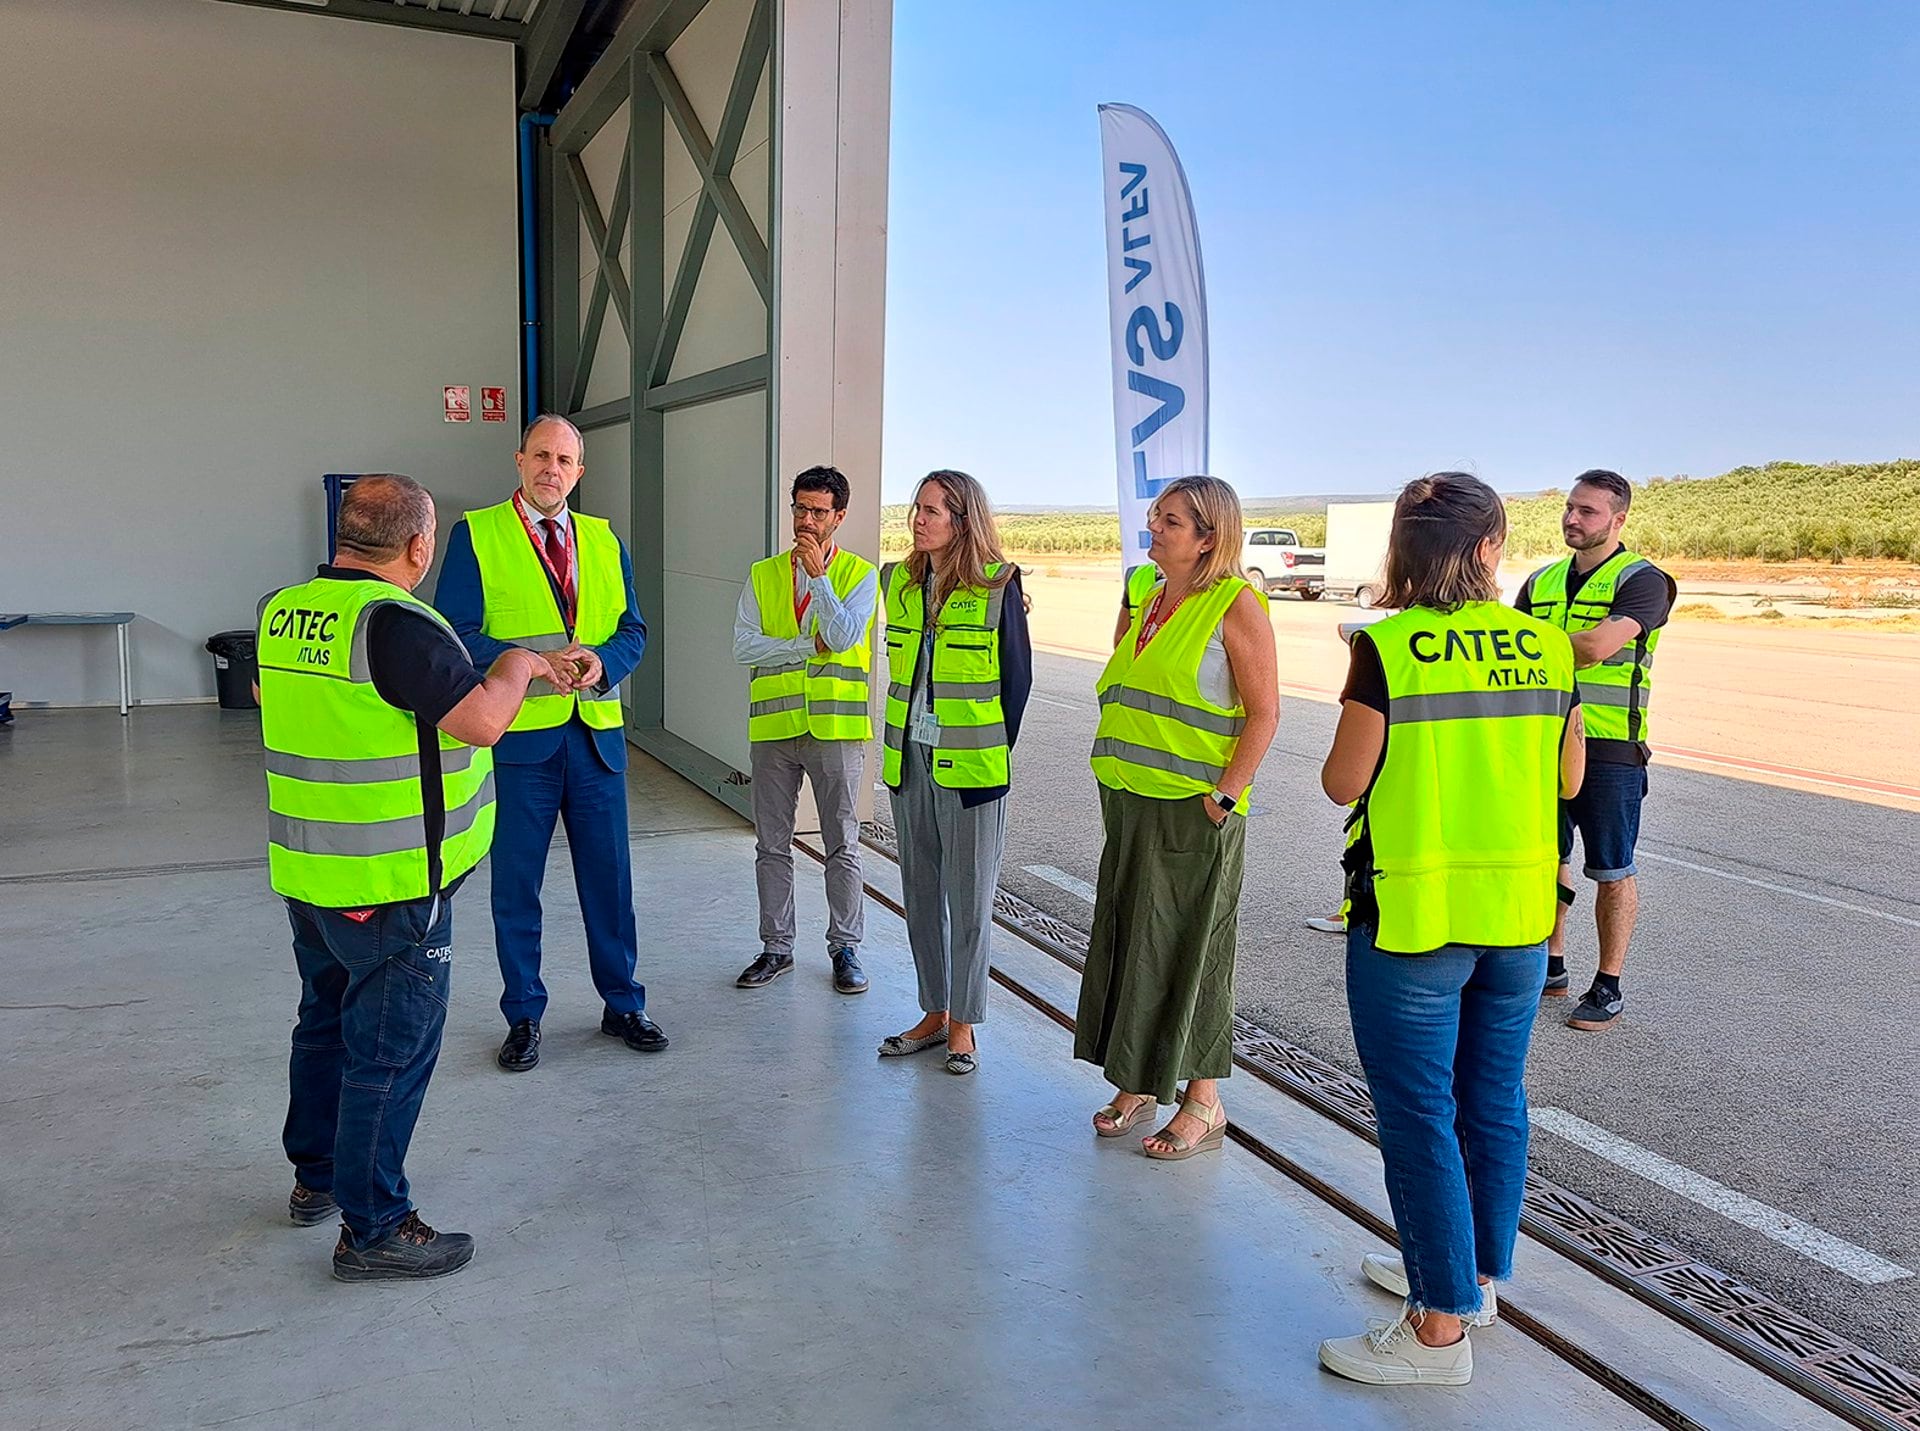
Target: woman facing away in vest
(1189, 703)
(959, 669)
(1458, 735)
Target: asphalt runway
(1769, 1037)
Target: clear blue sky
(1521, 238)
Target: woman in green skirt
(1188, 705)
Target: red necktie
(557, 559)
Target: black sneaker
(1597, 1010)
(411, 1251)
(848, 976)
(636, 1031)
(308, 1208)
(521, 1051)
(1557, 986)
(764, 970)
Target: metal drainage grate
(1848, 1380)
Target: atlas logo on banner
(1157, 307)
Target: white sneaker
(1391, 1355)
(1328, 926)
(1391, 1273)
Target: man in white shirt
(804, 626)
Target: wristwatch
(1225, 801)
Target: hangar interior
(261, 239)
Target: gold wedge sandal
(1212, 1114)
(1119, 1123)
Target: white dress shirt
(840, 624)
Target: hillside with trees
(1784, 511)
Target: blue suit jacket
(460, 599)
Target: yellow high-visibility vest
(1617, 691)
(346, 804)
(1158, 735)
(822, 696)
(520, 609)
(1140, 584)
(970, 750)
(1460, 843)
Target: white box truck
(1357, 549)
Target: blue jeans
(373, 1000)
(1607, 814)
(1443, 1038)
(572, 784)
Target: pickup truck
(1275, 561)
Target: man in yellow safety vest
(805, 629)
(380, 799)
(531, 573)
(1612, 603)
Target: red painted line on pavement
(1797, 772)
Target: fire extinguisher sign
(459, 403)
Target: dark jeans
(1443, 1039)
(373, 999)
(1607, 814)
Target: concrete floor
(765, 1226)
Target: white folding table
(116, 619)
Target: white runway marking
(1804, 1238)
(1807, 895)
(1060, 879)
(1064, 705)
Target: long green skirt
(1156, 1001)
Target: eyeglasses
(801, 509)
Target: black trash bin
(235, 668)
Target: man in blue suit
(530, 573)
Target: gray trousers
(834, 767)
(949, 869)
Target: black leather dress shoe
(521, 1051)
(636, 1031)
(848, 976)
(764, 970)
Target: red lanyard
(562, 576)
(1151, 623)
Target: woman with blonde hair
(1189, 703)
(959, 669)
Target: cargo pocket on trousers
(414, 1004)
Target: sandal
(1212, 1139)
(1119, 1123)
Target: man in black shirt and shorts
(1612, 604)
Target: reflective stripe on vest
(823, 696)
(1619, 689)
(970, 752)
(521, 609)
(1158, 735)
(346, 808)
(1463, 817)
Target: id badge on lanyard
(925, 726)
